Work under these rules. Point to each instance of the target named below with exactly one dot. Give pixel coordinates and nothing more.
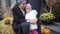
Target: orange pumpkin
(45, 30)
(42, 28)
(7, 20)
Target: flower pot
(46, 23)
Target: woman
(18, 16)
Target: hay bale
(8, 30)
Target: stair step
(57, 23)
(54, 32)
(55, 28)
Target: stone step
(54, 32)
(55, 28)
(57, 23)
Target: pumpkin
(7, 20)
(42, 27)
(45, 30)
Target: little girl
(31, 14)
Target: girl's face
(28, 10)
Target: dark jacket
(18, 15)
(18, 18)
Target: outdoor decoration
(47, 17)
(8, 20)
(50, 4)
(5, 27)
(45, 30)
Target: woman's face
(23, 4)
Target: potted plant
(47, 18)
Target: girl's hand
(30, 20)
(34, 21)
